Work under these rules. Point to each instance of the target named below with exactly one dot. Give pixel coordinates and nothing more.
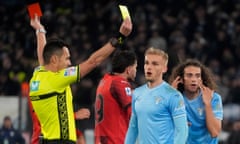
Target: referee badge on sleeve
(70, 71)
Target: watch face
(41, 31)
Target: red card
(34, 9)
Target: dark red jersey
(113, 109)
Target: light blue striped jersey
(198, 132)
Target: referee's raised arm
(101, 54)
(41, 38)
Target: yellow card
(124, 11)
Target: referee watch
(118, 40)
(41, 30)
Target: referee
(50, 91)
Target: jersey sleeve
(178, 111)
(122, 92)
(181, 130)
(217, 106)
(44, 81)
(66, 76)
(176, 105)
(132, 131)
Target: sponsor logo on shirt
(70, 71)
(180, 105)
(34, 86)
(218, 107)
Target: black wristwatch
(118, 40)
(114, 42)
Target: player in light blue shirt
(158, 110)
(203, 104)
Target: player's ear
(165, 69)
(127, 70)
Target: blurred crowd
(208, 30)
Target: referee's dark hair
(53, 46)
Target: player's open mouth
(194, 85)
(149, 73)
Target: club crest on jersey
(128, 91)
(158, 100)
(34, 85)
(200, 111)
(70, 71)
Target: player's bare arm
(213, 124)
